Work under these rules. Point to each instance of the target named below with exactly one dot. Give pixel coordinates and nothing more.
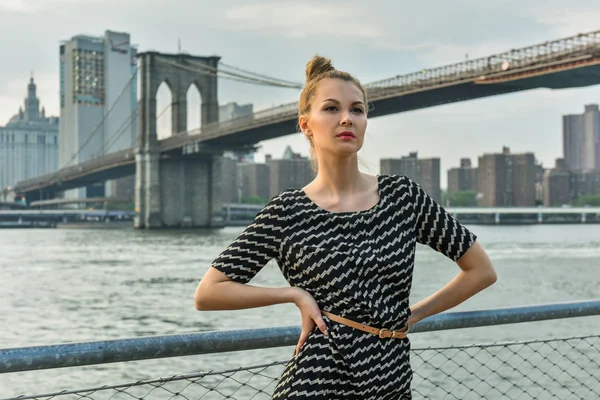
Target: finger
(321, 324)
(301, 341)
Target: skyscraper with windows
(28, 143)
(581, 139)
(506, 180)
(98, 104)
(572, 141)
(462, 178)
(424, 171)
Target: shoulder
(278, 204)
(397, 185)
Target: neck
(339, 176)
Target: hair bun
(316, 66)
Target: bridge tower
(176, 190)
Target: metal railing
(566, 48)
(561, 368)
(115, 159)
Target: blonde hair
(317, 69)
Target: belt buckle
(381, 332)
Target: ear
(303, 123)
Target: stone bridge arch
(175, 190)
(179, 72)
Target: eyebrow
(335, 101)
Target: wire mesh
(567, 368)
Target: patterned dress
(358, 265)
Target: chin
(347, 149)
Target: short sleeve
(255, 246)
(437, 228)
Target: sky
(372, 40)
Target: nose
(346, 119)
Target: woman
(346, 244)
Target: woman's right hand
(311, 315)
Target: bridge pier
(147, 190)
(191, 195)
(176, 190)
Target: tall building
(507, 180)
(572, 140)
(424, 171)
(557, 185)
(524, 179)
(28, 142)
(581, 139)
(494, 180)
(293, 171)
(582, 183)
(231, 179)
(539, 182)
(590, 156)
(233, 110)
(255, 180)
(462, 178)
(429, 177)
(406, 165)
(98, 103)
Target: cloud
(372, 40)
(18, 6)
(302, 20)
(31, 6)
(571, 22)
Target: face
(337, 120)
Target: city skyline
(248, 36)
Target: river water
(59, 285)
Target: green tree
(465, 198)
(112, 205)
(592, 200)
(254, 200)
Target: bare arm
(477, 273)
(217, 291)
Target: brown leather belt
(382, 333)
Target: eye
(357, 110)
(331, 108)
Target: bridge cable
(210, 71)
(113, 138)
(56, 175)
(269, 81)
(202, 69)
(257, 75)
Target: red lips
(347, 134)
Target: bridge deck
(569, 62)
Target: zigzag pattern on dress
(358, 265)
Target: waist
(380, 331)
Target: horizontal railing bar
(143, 348)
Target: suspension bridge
(177, 179)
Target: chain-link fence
(567, 368)
(541, 369)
